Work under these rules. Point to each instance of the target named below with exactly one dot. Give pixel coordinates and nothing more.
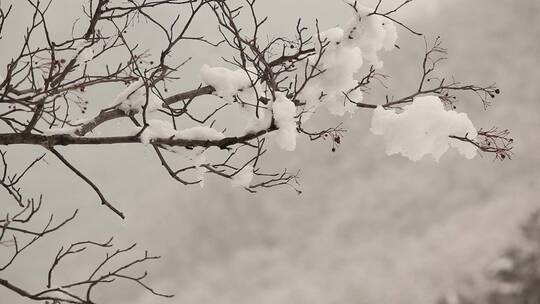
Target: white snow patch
(340, 65)
(255, 124)
(423, 128)
(133, 98)
(157, 129)
(83, 51)
(200, 133)
(349, 47)
(247, 107)
(334, 34)
(226, 82)
(371, 34)
(252, 123)
(284, 116)
(161, 129)
(198, 161)
(243, 177)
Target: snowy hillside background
(368, 228)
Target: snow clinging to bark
(161, 129)
(133, 98)
(226, 82)
(200, 133)
(157, 129)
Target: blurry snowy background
(368, 228)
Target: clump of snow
(423, 128)
(200, 133)
(161, 129)
(157, 129)
(247, 108)
(334, 34)
(284, 112)
(59, 294)
(255, 124)
(252, 123)
(226, 82)
(133, 98)
(243, 177)
(340, 65)
(371, 33)
(348, 48)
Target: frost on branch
(423, 128)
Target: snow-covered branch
(274, 87)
